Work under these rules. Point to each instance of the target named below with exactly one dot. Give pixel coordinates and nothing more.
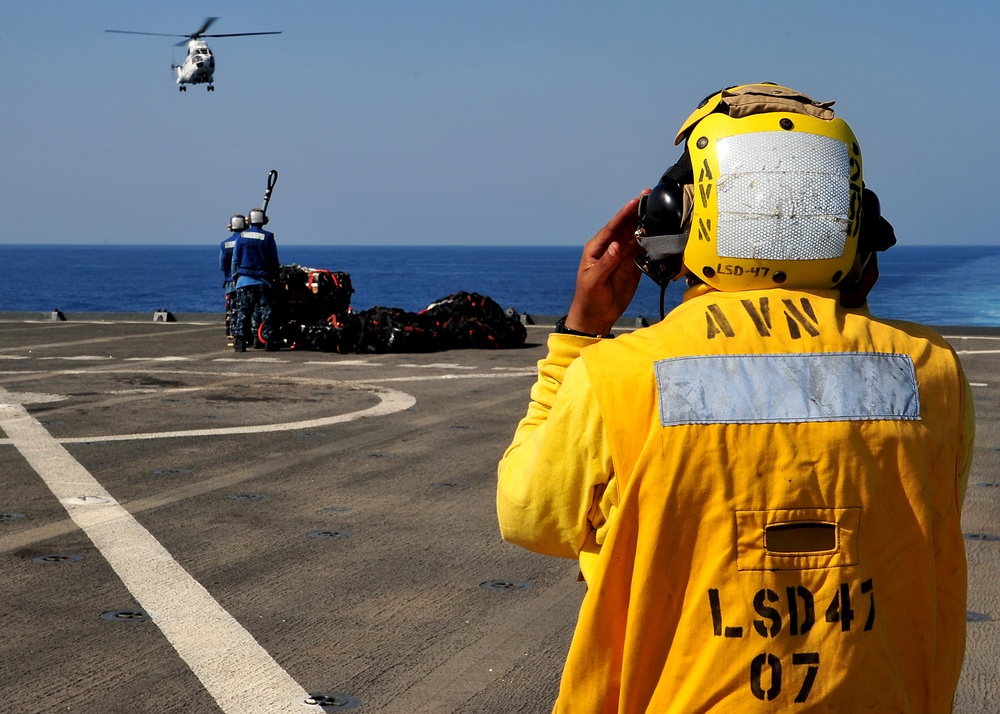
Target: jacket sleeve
(553, 475)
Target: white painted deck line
(235, 670)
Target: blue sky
(462, 122)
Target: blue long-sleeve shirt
(255, 258)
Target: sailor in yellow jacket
(764, 489)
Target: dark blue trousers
(248, 301)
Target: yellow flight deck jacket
(764, 493)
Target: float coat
(764, 493)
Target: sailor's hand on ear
(608, 276)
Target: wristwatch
(561, 329)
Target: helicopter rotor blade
(198, 34)
(201, 30)
(158, 34)
(244, 34)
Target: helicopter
(199, 65)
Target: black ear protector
(875, 235)
(661, 212)
(661, 222)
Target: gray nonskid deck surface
(332, 516)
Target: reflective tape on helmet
(776, 201)
(783, 196)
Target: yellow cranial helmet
(777, 188)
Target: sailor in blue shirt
(255, 270)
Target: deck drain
(330, 534)
(337, 509)
(449, 486)
(376, 455)
(463, 427)
(125, 615)
(312, 434)
(171, 472)
(248, 497)
(981, 536)
(57, 559)
(504, 585)
(4, 517)
(333, 701)
(971, 616)
(989, 484)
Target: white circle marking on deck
(390, 401)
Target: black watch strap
(561, 329)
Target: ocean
(935, 285)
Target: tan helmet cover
(747, 99)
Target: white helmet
(257, 217)
(238, 222)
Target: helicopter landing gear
(211, 87)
